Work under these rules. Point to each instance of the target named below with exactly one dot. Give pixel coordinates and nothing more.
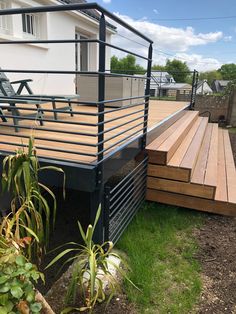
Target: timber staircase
(191, 165)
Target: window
(31, 24)
(5, 22)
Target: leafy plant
(17, 274)
(91, 266)
(29, 205)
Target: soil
(217, 254)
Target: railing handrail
(75, 7)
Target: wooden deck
(191, 165)
(49, 143)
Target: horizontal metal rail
(42, 128)
(74, 7)
(71, 41)
(122, 124)
(70, 72)
(123, 116)
(127, 179)
(126, 196)
(50, 149)
(50, 120)
(115, 236)
(119, 142)
(46, 139)
(123, 132)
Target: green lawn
(160, 249)
(232, 130)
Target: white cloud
(199, 62)
(170, 38)
(106, 1)
(175, 41)
(228, 38)
(155, 11)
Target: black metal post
(147, 97)
(98, 194)
(194, 89)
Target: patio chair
(8, 96)
(7, 90)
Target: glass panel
(83, 55)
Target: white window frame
(5, 20)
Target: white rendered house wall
(61, 57)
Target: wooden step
(216, 172)
(183, 148)
(162, 149)
(221, 189)
(185, 188)
(167, 172)
(230, 168)
(192, 202)
(191, 155)
(182, 163)
(205, 171)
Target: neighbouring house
(163, 84)
(203, 88)
(218, 86)
(172, 89)
(60, 57)
(158, 79)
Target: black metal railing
(68, 127)
(123, 201)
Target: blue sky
(203, 44)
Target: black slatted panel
(123, 201)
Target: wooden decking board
(167, 172)
(191, 155)
(192, 202)
(221, 189)
(198, 175)
(180, 187)
(158, 111)
(157, 149)
(211, 167)
(174, 140)
(178, 156)
(153, 146)
(230, 168)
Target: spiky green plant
(20, 176)
(90, 261)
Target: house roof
(200, 83)
(91, 12)
(223, 83)
(176, 86)
(219, 85)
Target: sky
(179, 30)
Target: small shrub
(17, 277)
(90, 264)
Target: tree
(179, 70)
(210, 76)
(157, 67)
(126, 65)
(228, 71)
